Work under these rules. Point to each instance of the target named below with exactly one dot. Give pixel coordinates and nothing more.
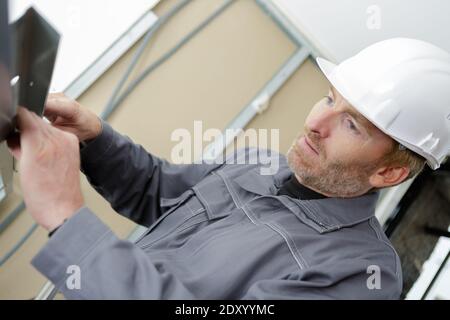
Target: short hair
(399, 155)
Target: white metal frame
(111, 55)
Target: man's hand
(68, 115)
(49, 163)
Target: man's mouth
(309, 145)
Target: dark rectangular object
(34, 54)
(7, 108)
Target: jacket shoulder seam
(380, 238)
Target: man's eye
(329, 100)
(352, 126)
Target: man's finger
(25, 120)
(32, 128)
(56, 106)
(33, 131)
(44, 127)
(51, 117)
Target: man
(225, 231)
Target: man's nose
(322, 123)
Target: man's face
(339, 149)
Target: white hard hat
(402, 86)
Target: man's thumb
(57, 107)
(25, 120)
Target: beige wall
(210, 79)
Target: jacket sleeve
(133, 180)
(347, 280)
(95, 264)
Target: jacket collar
(324, 214)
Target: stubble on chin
(298, 163)
(336, 179)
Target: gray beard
(336, 179)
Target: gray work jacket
(215, 231)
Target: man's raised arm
(124, 173)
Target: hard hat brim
(327, 67)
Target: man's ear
(388, 176)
